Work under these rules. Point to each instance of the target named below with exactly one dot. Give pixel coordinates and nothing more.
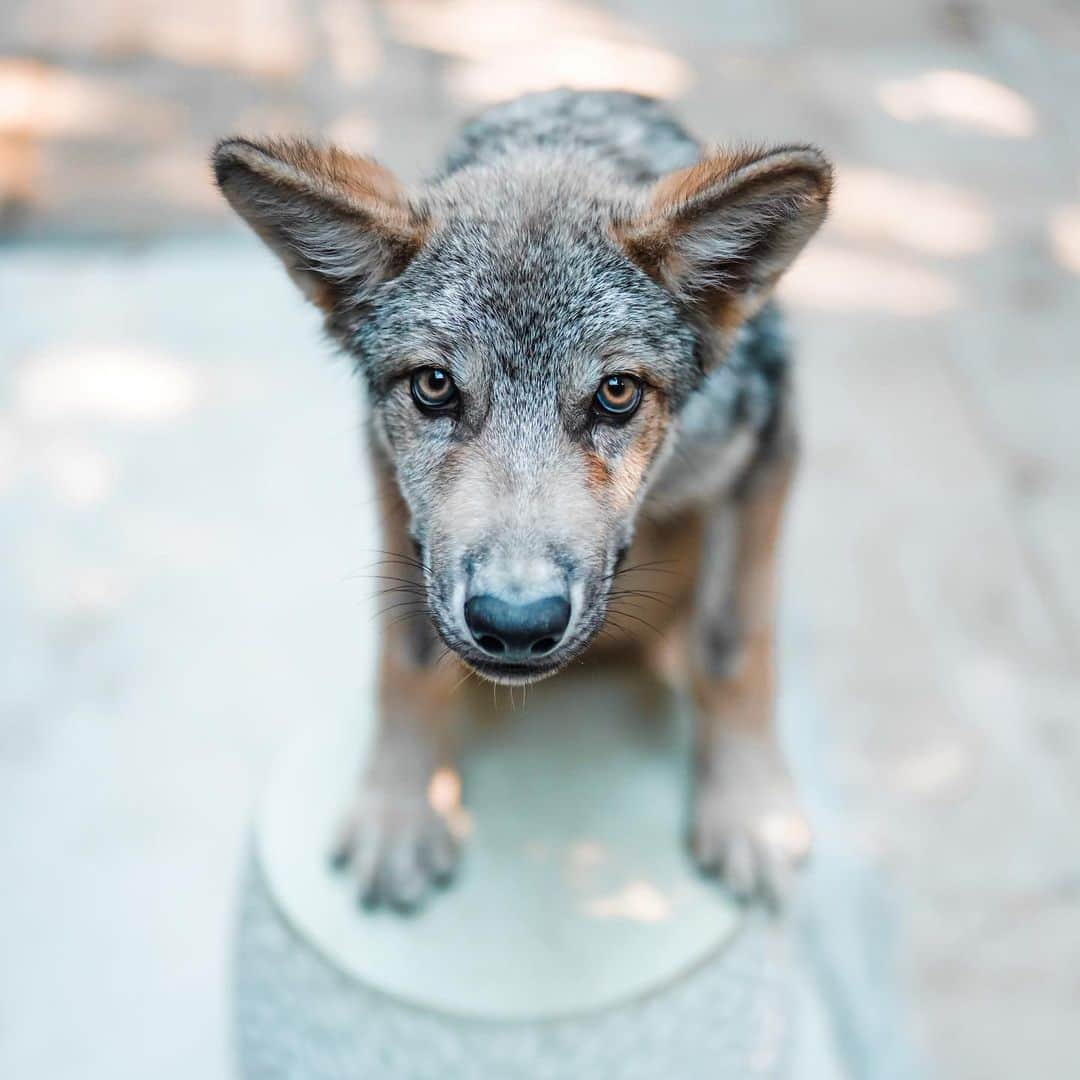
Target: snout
(516, 617)
(508, 630)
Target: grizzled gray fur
(571, 354)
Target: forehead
(532, 289)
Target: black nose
(515, 631)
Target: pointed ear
(720, 233)
(341, 224)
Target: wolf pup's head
(529, 331)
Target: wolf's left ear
(720, 233)
(340, 223)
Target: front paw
(747, 826)
(398, 841)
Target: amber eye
(433, 390)
(618, 397)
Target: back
(630, 134)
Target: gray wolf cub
(579, 414)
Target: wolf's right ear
(340, 223)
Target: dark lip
(513, 673)
(505, 673)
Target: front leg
(747, 825)
(397, 835)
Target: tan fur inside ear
(336, 220)
(668, 211)
(339, 178)
(720, 233)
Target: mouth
(509, 674)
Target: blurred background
(180, 491)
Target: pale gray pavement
(176, 470)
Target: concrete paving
(178, 475)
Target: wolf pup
(577, 387)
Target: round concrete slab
(575, 892)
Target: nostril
(513, 630)
(490, 643)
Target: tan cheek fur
(626, 478)
(597, 474)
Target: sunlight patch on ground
(481, 28)
(267, 38)
(787, 832)
(444, 791)
(586, 854)
(520, 45)
(935, 218)
(959, 98)
(581, 63)
(257, 37)
(45, 102)
(640, 901)
(125, 383)
(95, 590)
(68, 590)
(354, 47)
(839, 279)
(20, 167)
(444, 797)
(1065, 236)
(939, 771)
(78, 474)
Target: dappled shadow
(175, 464)
(506, 48)
(960, 99)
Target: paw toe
(440, 855)
(366, 862)
(738, 865)
(394, 854)
(404, 881)
(752, 857)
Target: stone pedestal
(576, 942)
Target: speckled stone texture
(299, 1018)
